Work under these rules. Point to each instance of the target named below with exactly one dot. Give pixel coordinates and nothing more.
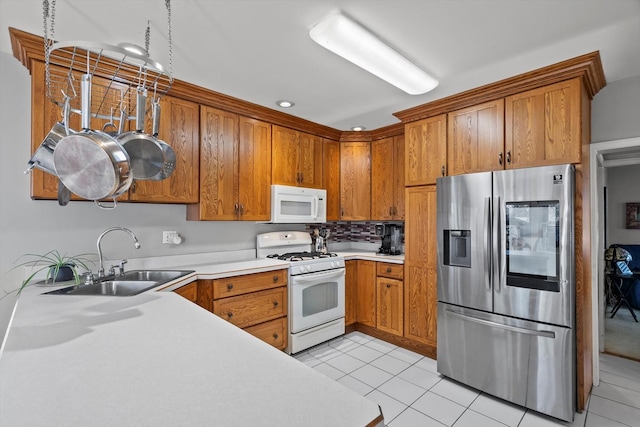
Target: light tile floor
(412, 394)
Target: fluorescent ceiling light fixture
(354, 43)
(285, 104)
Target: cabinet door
(366, 293)
(331, 177)
(218, 166)
(420, 296)
(398, 177)
(254, 170)
(389, 295)
(543, 126)
(179, 127)
(425, 150)
(285, 156)
(251, 309)
(310, 160)
(355, 181)
(350, 289)
(382, 179)
(273, 332)
(475, 138)
(189, 291)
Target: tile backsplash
(364, 232)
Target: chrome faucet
(108, 230)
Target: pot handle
(106, 207)
(141, 107)
(155, 108)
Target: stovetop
(302, 256)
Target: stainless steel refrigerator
(506, 285)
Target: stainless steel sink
(128, 284)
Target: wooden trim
(29, 47)
(387, 131)
(424, 349)
(379, 419)
(588, 67)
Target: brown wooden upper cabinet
(297, 158)
(425, 150)
(235, 176)
(179, 128)
(355, 181)
(475, 138)
(387, 179)
(331, 177)
(544, 126)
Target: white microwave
(298, 204)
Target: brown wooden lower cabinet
(389, 298)
(189, 291)
(255, 302)
(366, 293)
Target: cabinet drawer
(273, 332)
(189, 291)
(251, 309)
(239, 285)
(392, 271)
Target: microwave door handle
(315, 206)
(307, 278)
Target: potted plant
(60, 267)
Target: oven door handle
(314, 277)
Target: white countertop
(156, 359)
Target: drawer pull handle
(230, 286)
(275, 303)
(388, 269)
(229, 315)
(275, 279)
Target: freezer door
(533, 247)
(464, 238)
(527, 363)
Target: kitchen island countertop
(156, 359)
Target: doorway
(604, 155)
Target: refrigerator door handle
(497, 240)
(544, 334)
(487, 242)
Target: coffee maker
(391, 242)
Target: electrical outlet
(168, 236)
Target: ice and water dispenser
(457, 248)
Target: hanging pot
(145, 154)
(169, 156)
(92, 164)
(43, 157)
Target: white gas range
(316, 288)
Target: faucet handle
(121, 266)
(89, 278)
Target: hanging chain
(147, 38)
(48, 14)
(168, 4)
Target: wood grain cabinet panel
(387, 179)
(475, 138)
(543, 126)
(425, 150)
(331, 177)
(355, 181)
(179, 127)
(389, 304)
(235, 168)
(238, 285)
(189, 291)
(251, 309)
(350, 290)
(390, 270)
(297, 158)
(273, 332)
(366, 292)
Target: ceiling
(260, 50)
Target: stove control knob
(308, 268)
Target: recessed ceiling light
(358, 128)
(354, 43)
(285, 104)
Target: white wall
(615, 111)
(622, 188)
(37, 226)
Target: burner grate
(301, 256)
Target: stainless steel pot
(43, 157)
(169, 156)
(92, 164)
(145, 153)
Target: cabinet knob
(509, 157)
(133, 186)
(275, 279)
(229, 315)
(275, 336)
(230, 286)
(442, 170)
(500, 159)
(237, 208)
(275, 303)
(390, 210)
(388, 286)
(388, 269)
(242, 209)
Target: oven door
(316, 298)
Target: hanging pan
(169, 156)
(145, 154)
(92, 164)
